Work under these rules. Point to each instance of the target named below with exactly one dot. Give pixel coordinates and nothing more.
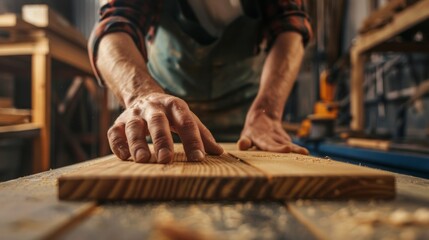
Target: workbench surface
(30, 209)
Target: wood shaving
(398, 218)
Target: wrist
(267, 107)
(130, 97)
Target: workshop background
(361, 95)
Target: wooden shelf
(27, 130)
(9, 116)
(380, 39)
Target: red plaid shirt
(139, 19)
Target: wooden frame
(375, 40)
(44, 45)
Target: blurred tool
(320, 124)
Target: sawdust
(398, 218)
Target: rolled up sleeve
(285, 15)
(137, 18)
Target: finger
(135, 131)
(244, 143)
(188, 131)
(300, 150)
(159, 130)
(210, 144)
(118, 141)
(268, 144)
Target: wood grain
(215, 178)
(246, 176)
(295, 176)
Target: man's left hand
(267, 134)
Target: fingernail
(164, 155)
(141, 156)
(197, 155)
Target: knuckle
(134, 140)
(160, 140)
(157, 117)
(176, 103)
(193, 143)
(187, 123)
(115, 136)
(136, 111)
(134, 123)
(117, 141)
(114, 131)
(136, 143)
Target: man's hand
(148, 111)
(158, 115)
(267, 134)
(263, 128)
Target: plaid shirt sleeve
(137, 18)
(285, 15)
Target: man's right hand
(158, 115)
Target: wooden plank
(41, 96)
(216, 178)
(10, 116)
(356, 90)
(295, 176)
(402, 21)
(383, 15)
(30, 209)
(261, 176)
(407, 217)
(369, 143)
(13, 28)
(27, 130)
(15, 22)
(6, 102)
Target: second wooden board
(232, 176)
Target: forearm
(123, 68)
(279, 74)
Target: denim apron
(217, 77)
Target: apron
(217, 77)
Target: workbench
(30, 209)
